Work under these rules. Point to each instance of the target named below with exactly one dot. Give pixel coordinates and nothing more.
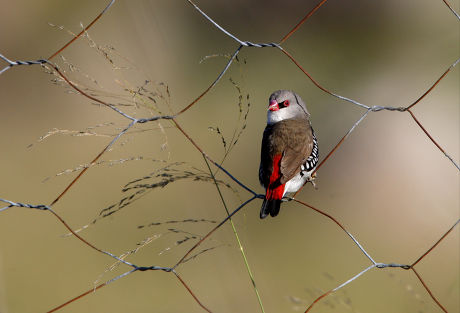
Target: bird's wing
(298, 138)
(290, 139)
(266, 156)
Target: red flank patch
(277, 192)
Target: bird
(289, 150)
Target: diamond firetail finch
(289, 152)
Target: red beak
(273, 106)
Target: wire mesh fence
(176, 236)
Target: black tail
(271, 207)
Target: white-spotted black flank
(312, 160)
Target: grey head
(286, 104)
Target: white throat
(277, 116)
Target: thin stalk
(235, 232)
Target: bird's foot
(311, 180)
(287, 199)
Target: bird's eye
(286, 103)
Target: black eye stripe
(283, 104)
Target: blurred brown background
(388, 184)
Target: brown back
(293, 139)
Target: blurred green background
(388, 184)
